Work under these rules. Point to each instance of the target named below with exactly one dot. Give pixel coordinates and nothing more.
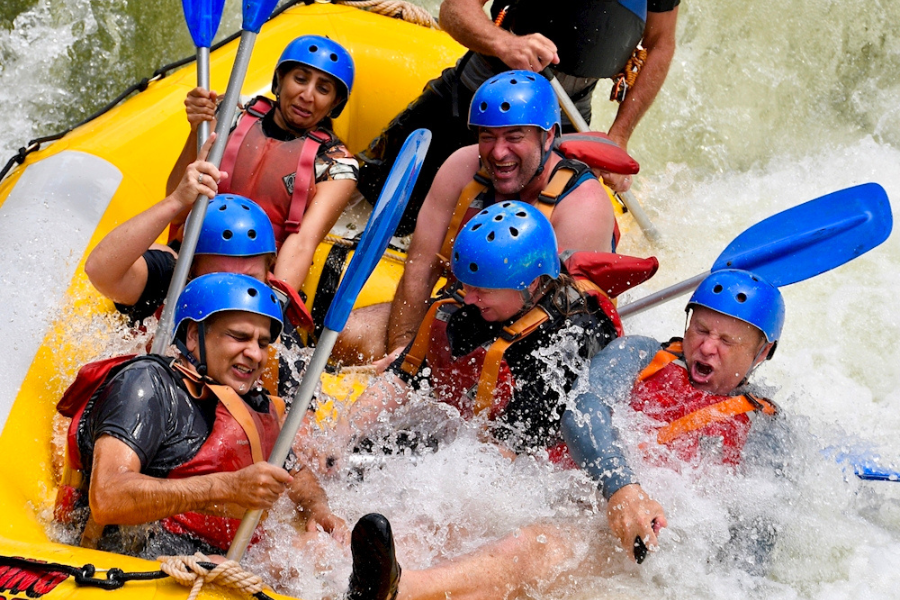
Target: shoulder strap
(256, 110)
(413, 360)
(661, 361)
(473, 189)
(714, 413)
(304, 178)
(490, 369)
(239, 411)
(558, 184)
(232, 403)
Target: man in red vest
(181, 444)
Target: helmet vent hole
(718, 289)
(476, 226)
(491, 236)
(513, 81)
(227, 234)
(483, 106)
(252, 292)
(313, 48)
(473, 268)
(456, 256)
(498, 217)
(513, 232)
(742, 297)
(504, 107)
(522, 214)
(251, 234)
(244, 206)
(531, 78)
(223, 208)
(334, 57)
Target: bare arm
(659, 41)
(309, 497)
(584, 220)
(296, 255)
(422, 268)
(116, 266)
(467, 23)
(121, 495)
(200, 105)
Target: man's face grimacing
(720, 350)
(511, 155)
(237, 345)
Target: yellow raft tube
(67, 197)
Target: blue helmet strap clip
(200, 365)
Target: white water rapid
(766, 105)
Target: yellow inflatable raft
(66, 197)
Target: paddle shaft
(664, 295)
(202, 82)
(627, 198)
(289, 430)
(192, 227)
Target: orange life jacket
(277, 175)
(239, 438)
(567, 176)
(664, 392)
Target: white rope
(187, 571)
(399, 9)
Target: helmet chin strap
(545, 156)
(200, 365)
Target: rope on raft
(193, 571)
(625, 80)
(399, 9)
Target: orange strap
(233, 404)
(490, 368)
(472, 190)
(557, 184)
(661, 360)
(413, 360)
(714, 413)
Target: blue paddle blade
(255, 13)
(203, 18)
(812, 238)
(381, 226)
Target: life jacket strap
(714, 413)
(414, 358)
(304, 179)
(479, 184)
(661, 361)
(256, 109)
(490, 368)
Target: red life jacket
(279, 176)
(664, 393)
(239, 438)
(567, 176)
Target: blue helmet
(235, 226)
(325, 55)
(219, 292)
(505, 246)
(744, 296)
(515, 98)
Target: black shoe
(376, 574)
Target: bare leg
(363, 338)
(539, 557)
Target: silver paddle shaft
(285, 440)
(164, 333)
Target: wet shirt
(145, 405)
(160, 267)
